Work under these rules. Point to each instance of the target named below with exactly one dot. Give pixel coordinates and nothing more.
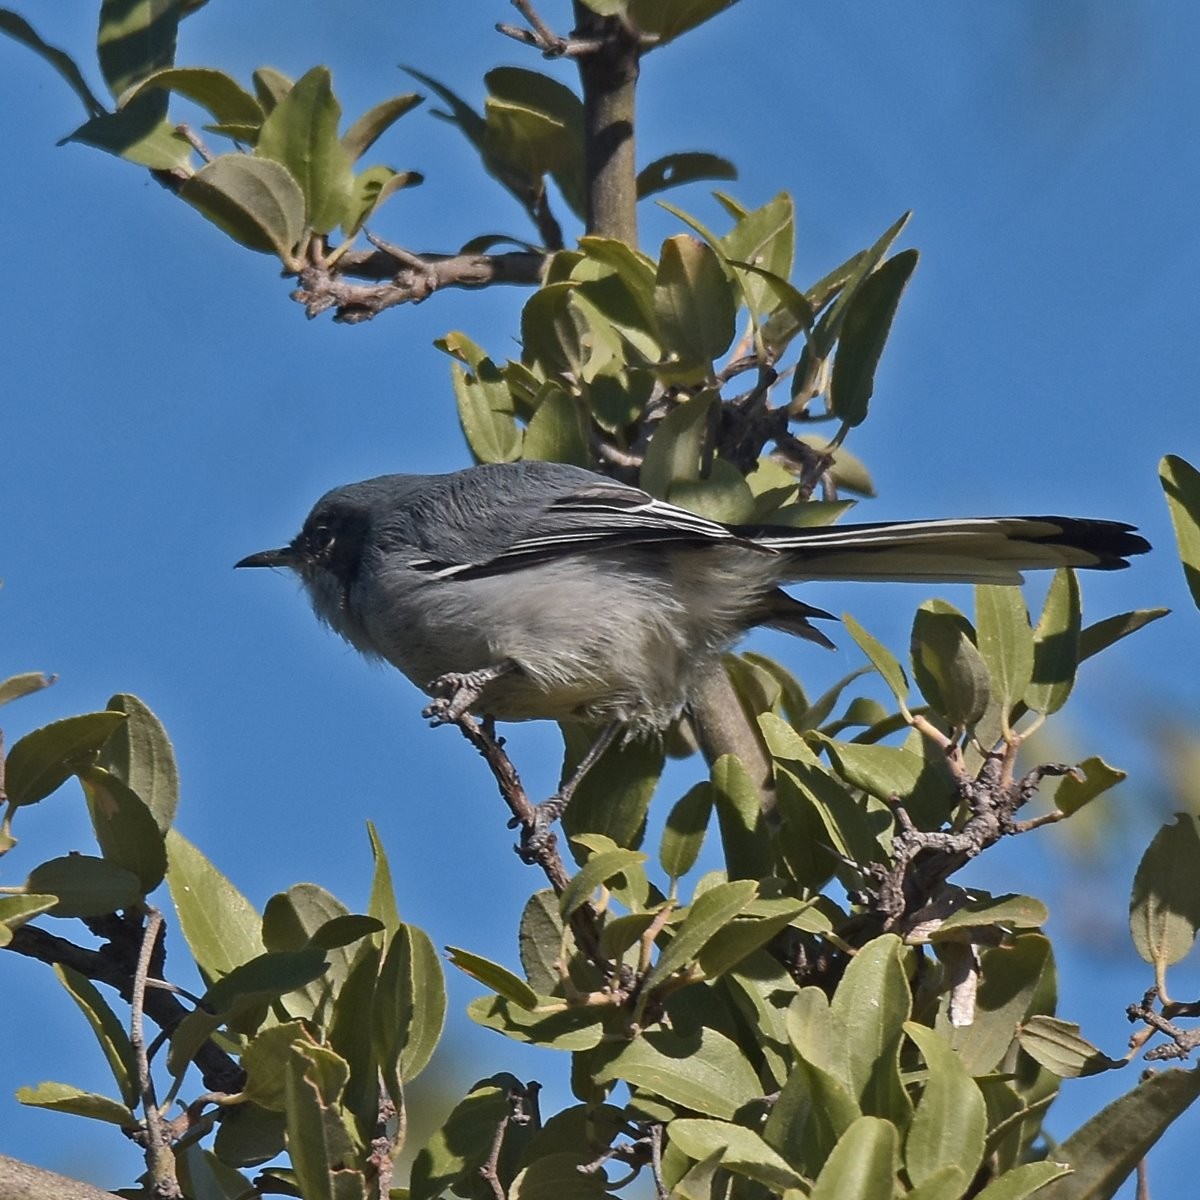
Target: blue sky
(168, 410)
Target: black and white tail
(970, 550)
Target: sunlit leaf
(254, 200)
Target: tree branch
(608, 77)
(481, 735)
(410, 278)
(112, 965)
(23, 1181)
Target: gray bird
(535, 590)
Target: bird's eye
(321, 537)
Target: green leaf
(220, 94)
(1056, 645)
(675, 170)
(554, 1176)
(1105, 633)
(42, 761)
(343, 931)
(734, 942)
(567, 1029)
(1094, 778)
(139, 753)
(1011, 977)
(923, 784)
(382, 902)
(109, 1031)
(1005, 642)
(882, 659)
(204, 1176)
(947, 666)
(741, 1150)
(683, 836)
(410, 1006)
(266, 976)
(301, 135)
(863, 1164)
(220, 925)
(137, 134)
(868, 321)
(597, 871)
(85, 886)
(461, 1146)
(363, 134)
(493, 975)
(16, 686)
(1061, 1049)
(703, 919)
(1164, 910)
(1022, 1181)
(693, 304)
(677, 450)
(669, 18)
(270, 86)
(744, 833)
(558, 431)
(255, 201)
(1181, 485)
(614, 796)
(851, 829)
(540, 941)
(265, 1061)
(607, 8)
(861, 267)
(485, 411)
(20, 30)
(371, 188)
(137, 38)
(1007, 912)
(946, 1183)
(535, 123)
(353, 1039)
(125, 827)
(1105, 1150)
(867, 1016)
(318, 1141)
(17, 910)
(761, 244)
(702, 1070)
(950, 1120)
(250, 1134)
(62, 1097)
(813, 1111)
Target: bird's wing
(594, 514)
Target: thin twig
(160, 1162)
(1183, 1041)
(543, 38)
(194, 140)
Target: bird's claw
(453, 694)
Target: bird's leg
(545, 814)
(455, 692)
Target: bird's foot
(455, 692)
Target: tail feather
(972, 550)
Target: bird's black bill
(285, 556)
